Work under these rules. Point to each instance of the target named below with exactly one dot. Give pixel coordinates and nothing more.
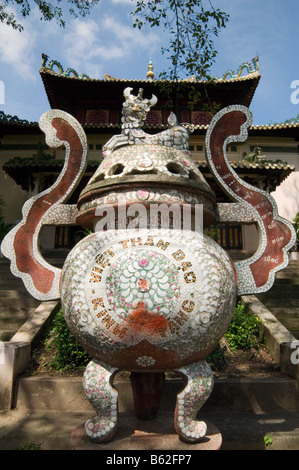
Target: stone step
(277, 305)
(12, 284)
(281, 309)
(292, 264)
(284, 294)
(292, 273)
(16, 304)
(284, 281)
(286, 313)
(15, 314)
(7, 334)
(6, 278)
(12, 323)
(19, 307)
(5, 268)
(15, 293)
(289, 321)
(266, 395)
(295, 333)
(5, 271)
(291, 324)
(15, 300)
(9, 330)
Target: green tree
(191, 26)
(296, 226)
(48, 10)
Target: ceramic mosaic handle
(21, 244)
(277, 235)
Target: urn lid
(158, 164)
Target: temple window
(200, 118)
(196, 148)
(154, 117)
(97, 116)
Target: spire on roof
(150, 74)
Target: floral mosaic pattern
(142, 278)
(176, 289)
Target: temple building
(268, 159)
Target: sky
(105, 42)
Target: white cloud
(90, 45)
(129, 36)
(16, 50)
(84, 50)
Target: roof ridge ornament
(292, 120)
(63, 73)
(251, 68)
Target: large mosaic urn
(147, 291)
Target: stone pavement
(51, 430)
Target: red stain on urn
(143, 320)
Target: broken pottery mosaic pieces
(21, 245)
(277, 234)
(158, 300)
(148, 300)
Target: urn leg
(97, 384)
(199, 384)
